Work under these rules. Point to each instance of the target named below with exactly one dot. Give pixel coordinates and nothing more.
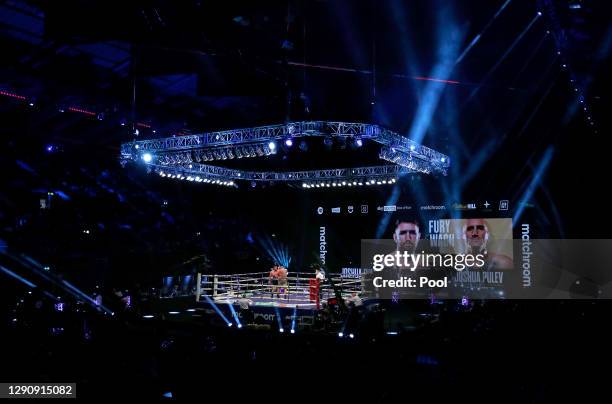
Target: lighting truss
(403, 159)
(186, 156)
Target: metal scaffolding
(184, 156)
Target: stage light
(147, 157)
(282, 330)
(412, 147)
(289, 142)
(539, 13)
(359, 142)
(216, 308)
(360, 183)
(191, 310)
(304, 185)
(340, 334)
(354, 182)
(292, 331)
(173, 312)
(148, 316)
(234, 315)
(272, 146)
(343, 182)
(443, 159)
(351, 336)
(384, 181)
(327, 185)
(378, 183)
(334, 184)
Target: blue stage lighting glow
(293, 318)
(359, 142)
(289, 142)
(19, 278)
(537, 176)
(147, 157)
(216, 308)
(272, 146)
(235, 315)
(279, 319)
(277, 251)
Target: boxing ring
(299, 291)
